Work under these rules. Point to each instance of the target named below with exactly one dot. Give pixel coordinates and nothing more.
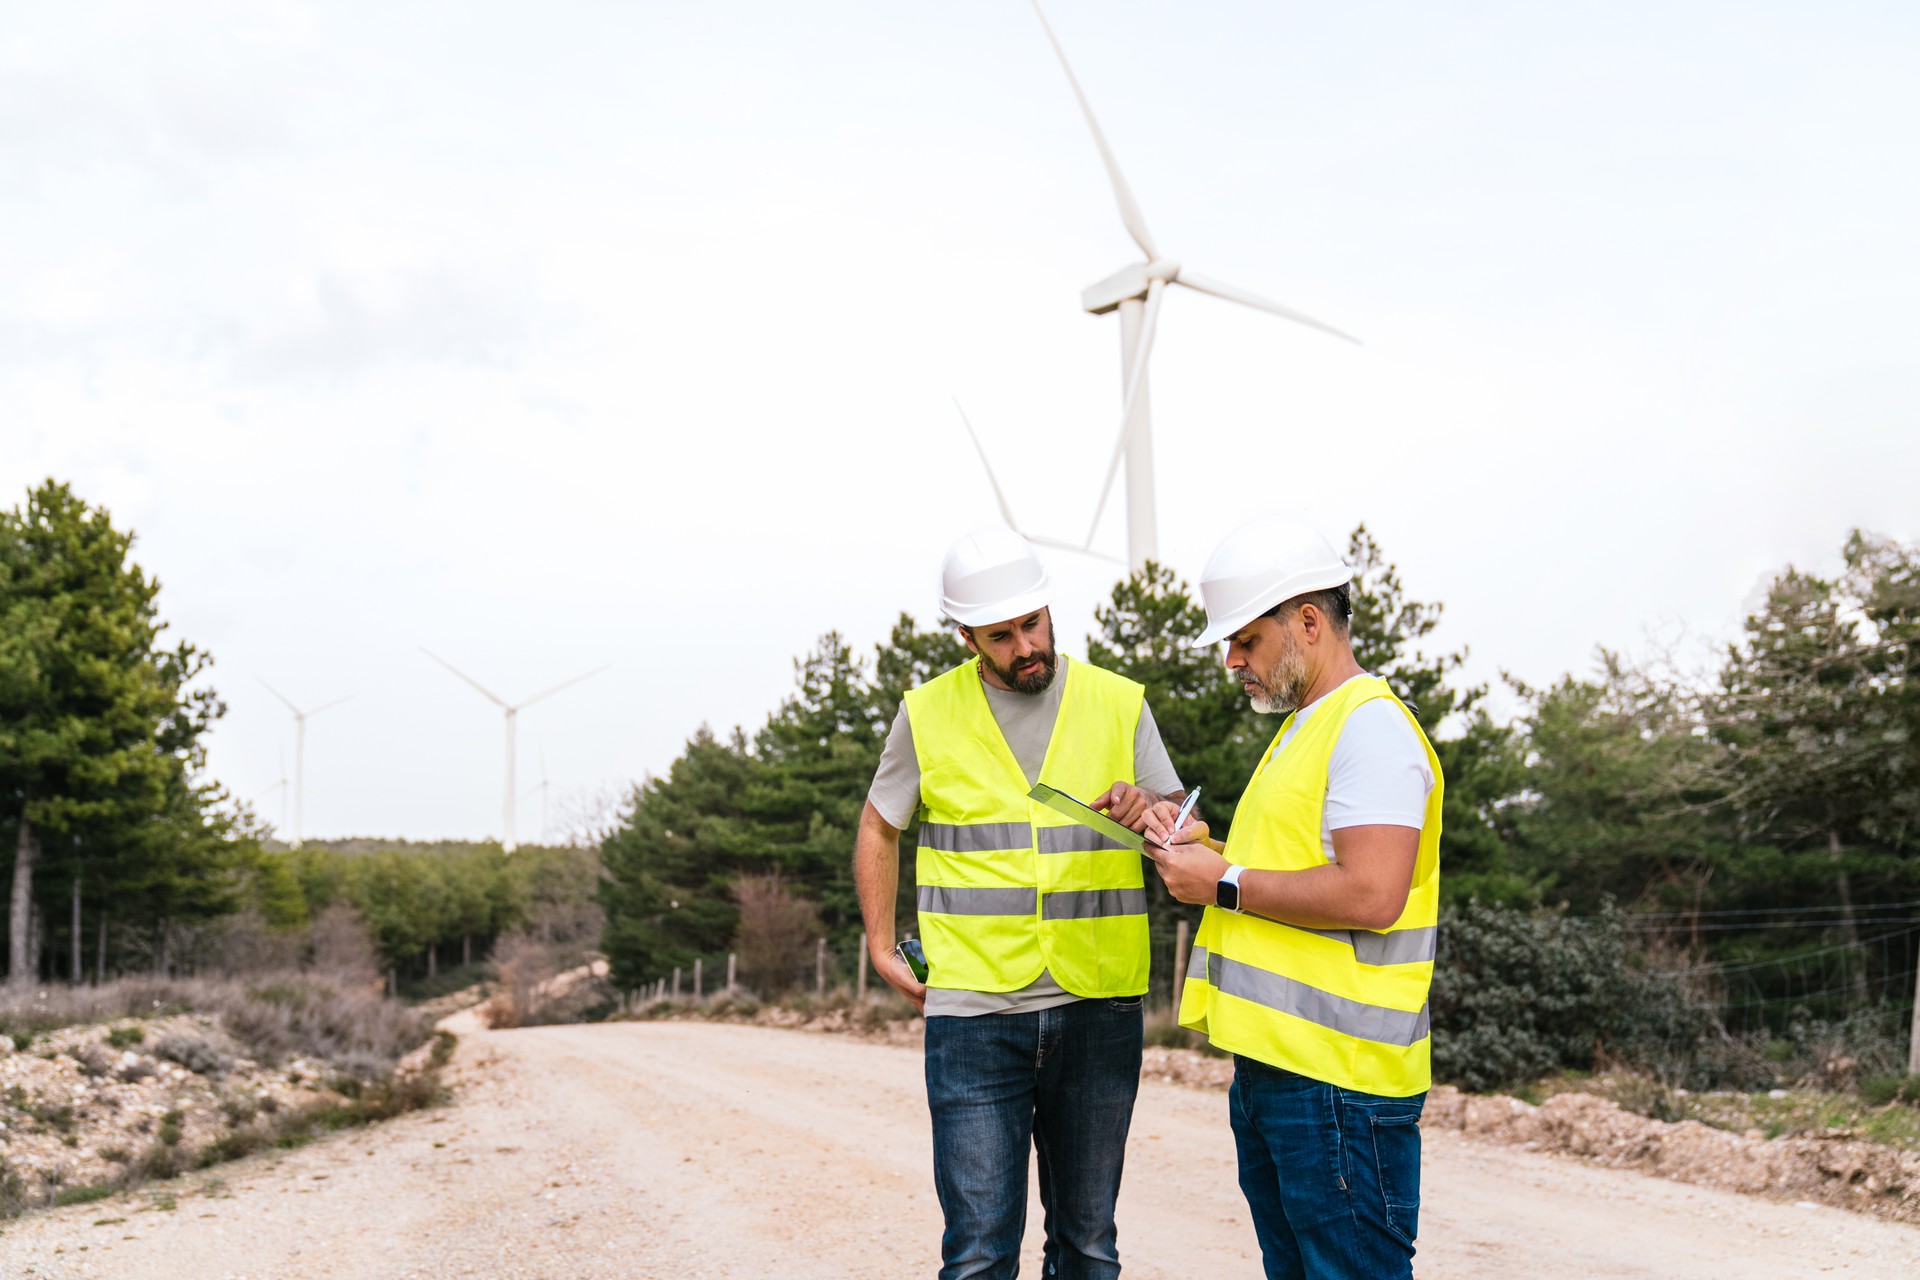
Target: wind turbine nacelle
(1127, 283)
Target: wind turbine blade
(1069, 546)
(283, 697)
(490, 694)
(1006, 512)
(1258, 303)
(564, 684)
(1142, 349)
(328, 705)
(1129, 211)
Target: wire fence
(1774, 973)
(1834, 971)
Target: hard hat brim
(1000, 610)
(1279, 593)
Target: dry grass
(272, 1018)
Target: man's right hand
(899, 977)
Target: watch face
(1227, 895)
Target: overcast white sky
(551, 336)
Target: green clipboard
(1061, 802)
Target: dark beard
(1035, 679)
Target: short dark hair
(1335, 602)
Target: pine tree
(99, 730)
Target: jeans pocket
(1396, 1154)
(1125, 1004)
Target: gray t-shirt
(1026, 721)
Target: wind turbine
(300, 753)
(542, 786)
(1135, 292)
(513, 709)
(282, 786)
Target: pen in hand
(1180, 819)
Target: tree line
(1765, 807)
(1754, 823)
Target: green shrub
(126, 1037)
(1518, 995)
(1879, 1091)
(14, 1199)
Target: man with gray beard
(1315, 955)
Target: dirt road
(694, 1150)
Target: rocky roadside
(90, 1106)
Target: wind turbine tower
(513, 710)
(300, 753)
(1135, 291)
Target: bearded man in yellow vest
(1316, 951)
(1034, 927)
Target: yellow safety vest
(1344, 1006)
(1008, 887)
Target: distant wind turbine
(542, 786)
(513, 710)
(300, 754)
(1135, 292)
(282, 786)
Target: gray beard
(1275, 705)
(1279, 694)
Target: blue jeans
(1063, 1079)
(1331, 1176)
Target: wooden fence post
(697, 994)
(860, 988)
(1913, 1041)
(820, 968)
(732, 962)
(676, 982)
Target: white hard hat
(991, 575)
(1263, 563)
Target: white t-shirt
(1378, 775)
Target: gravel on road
(698, 1150)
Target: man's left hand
(1189, 866)
(1126, 804)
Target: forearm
(876, 875)
(1325, 897)
(1365, 886)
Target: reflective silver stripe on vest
(1086, 904)
(975, 837)
(1197, 964)
(1402, 946)
(1323, 1008)
(1075, 839)
(942, 900)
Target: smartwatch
(1226, 894)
